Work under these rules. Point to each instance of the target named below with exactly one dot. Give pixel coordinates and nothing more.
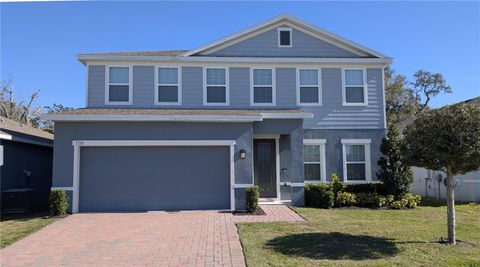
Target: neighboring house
(26, 156)
(277, 105)
(429, 183)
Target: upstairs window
(119, 86)
(216, 91)
(308, 87)
(262, 91)
(354, 87)
(168, 90)
(356, 160)
(284, 37)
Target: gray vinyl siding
(330, 115)
(266, 45)
(333, 147)
(333, 115)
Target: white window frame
(284, 29)
(323, 170)
(365, 88)
(273, 85)
(319, 85)
(227, 87)
(179, 85)
(368, 165)
(107, 85)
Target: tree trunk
(451, 208)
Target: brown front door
(264, 167)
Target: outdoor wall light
(243, 154)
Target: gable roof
(293, 22)
(156, 53)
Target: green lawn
(365, 237)
(16, 226)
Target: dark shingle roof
(14, 126)
(139, 53)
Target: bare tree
(14, 107)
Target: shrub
(345, 199)
(412, 200)
(399, 204)
(365, 188)
(369, 200)
(58, 202)
(335, 185)
(252, 195)
(318, 196)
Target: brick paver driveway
(191, 238)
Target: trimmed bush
(318, 196)
(58, 202)
(365, 188)
(345, 199)
(252, 195)
(369, 200)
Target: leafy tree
(426, 86)
(399, 99)
(448, 140)
(396, 175)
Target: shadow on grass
(24, 216)
(333, 246)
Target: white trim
(86, 84)
(292, 22)
(227, 87)
(297, 184)
(323, 164)
(273, 86)
(276, 137)
(368, 163)
(199, 118)
(179, 85)
(242, 185)
(284, 29)
(130, 85)
(384, 100)
(200, 61)
(77, 144)
(356, 141)
(26, 140)
(365, 88)
(64, 188)
(319, 86)
(1, 155)
(5, 136)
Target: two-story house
(278, 105)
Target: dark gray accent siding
(333, 147)
(67, 132)
(154, 178)
(266, 45)
(332, 114)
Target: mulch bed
(259, 211)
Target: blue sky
(39, 41)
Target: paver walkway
(186, 238)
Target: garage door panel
(154, 178)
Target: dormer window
(284, 37)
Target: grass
(17, 226)
(348, 237)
